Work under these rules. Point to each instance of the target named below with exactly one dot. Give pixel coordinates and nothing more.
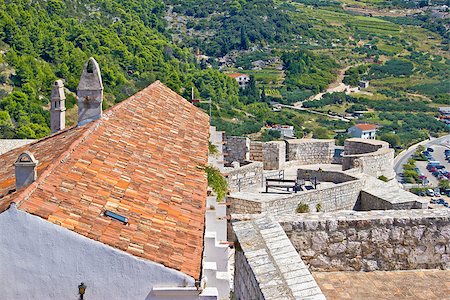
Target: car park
(430, 192)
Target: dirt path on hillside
(336, 87)
(381, 12)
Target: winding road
(402, 158)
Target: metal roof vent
(116, 217)
(26, 171)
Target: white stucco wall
(40, 260)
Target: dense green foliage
(216, 182)
(353, 75)
(394, 67)
(239, 24)
(50, 39)
(307, 70)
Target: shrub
(302, 208)
(216, 181)
(318, 207)
(383, 178)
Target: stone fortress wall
(246, 177)
(256, 151)
(270, 262)
(310, 151)
(267, 266)
(372, 157)
(236, 149)
(368, 241)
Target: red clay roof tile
(140, 160)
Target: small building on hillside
(286, 131)
(363, 131)
(445, 111)
(363, 84)
(241, 79)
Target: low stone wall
(362, 146)
(243, 206)
(256, 152)
(369, 201)
(310, 151)
(236, 148)
(244, 178)
(371, 157)
(274, 155)
(328, 176)
(368, 241)
(341, 196)
(267, 266)
(245, 283)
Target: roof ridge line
(26, 193)
(119, 105)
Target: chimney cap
(26, 159)
(91, 78)
(58, 83)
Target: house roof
(140, 161)
(366, 127)
(236, 75)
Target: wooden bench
(283, 183)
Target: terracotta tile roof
(235, 75)
(366, 126)
(140, 161)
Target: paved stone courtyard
(417, 284)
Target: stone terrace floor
(415, 284)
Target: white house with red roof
(241, 79)
(363, 131)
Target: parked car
(440, 167)
(430, 192)
(430, 149)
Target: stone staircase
(216, 252)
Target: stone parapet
(256, 152)
(371, 157)
(244, 178)
(236, 148)
(310, 151)
(267, 266)
(274, 155)
(368, 241)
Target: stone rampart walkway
(417, 284)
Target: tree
(244, 39)
(443, 184)
(263, 95)
(391, 138)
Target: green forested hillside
(43, 40)
(292, 49)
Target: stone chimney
(58, 107)
(26, 170)
(90, 93)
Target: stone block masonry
(236, 148)
(267, 266)
(245, 178)
(256, 152)
(369, 241)
(274, 155)
(310, 151)
(371, 157)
